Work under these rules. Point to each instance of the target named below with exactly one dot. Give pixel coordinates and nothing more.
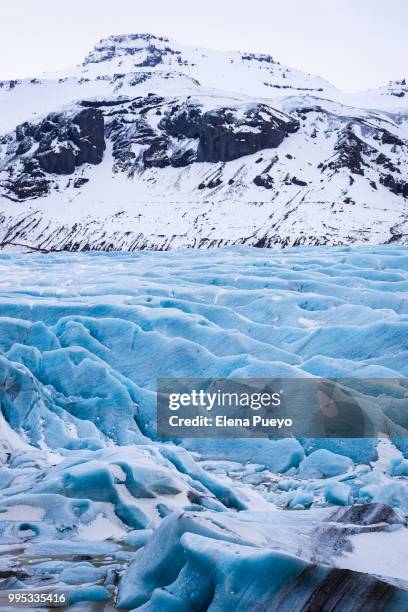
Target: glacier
(92, 503)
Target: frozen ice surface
(399, 467)
(86, 490)
(323, 463)
(337, 493)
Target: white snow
(21, 512)
(309, 323)
(101, 528)
(381, 554)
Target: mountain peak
(122, 45)
(236, 71)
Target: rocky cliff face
(226, 134)
(57, 145)
(149, 142)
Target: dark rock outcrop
(156, 155)
(150, 49)
(350, 151)
(225, 134)
(67, 142)
(229, 133)
(57, 145)
(263, 180)
(394, 185)
(125, 134)
(182, 158)
(367, 514)
(183, 121)
(28, 181)
(63, 141)
(259, 57)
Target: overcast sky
(355, 44)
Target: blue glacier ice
(91, 500)
(323, 463)
(399, 467)
(337, 493)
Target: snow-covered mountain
(153, 144)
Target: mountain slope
(153, 144)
